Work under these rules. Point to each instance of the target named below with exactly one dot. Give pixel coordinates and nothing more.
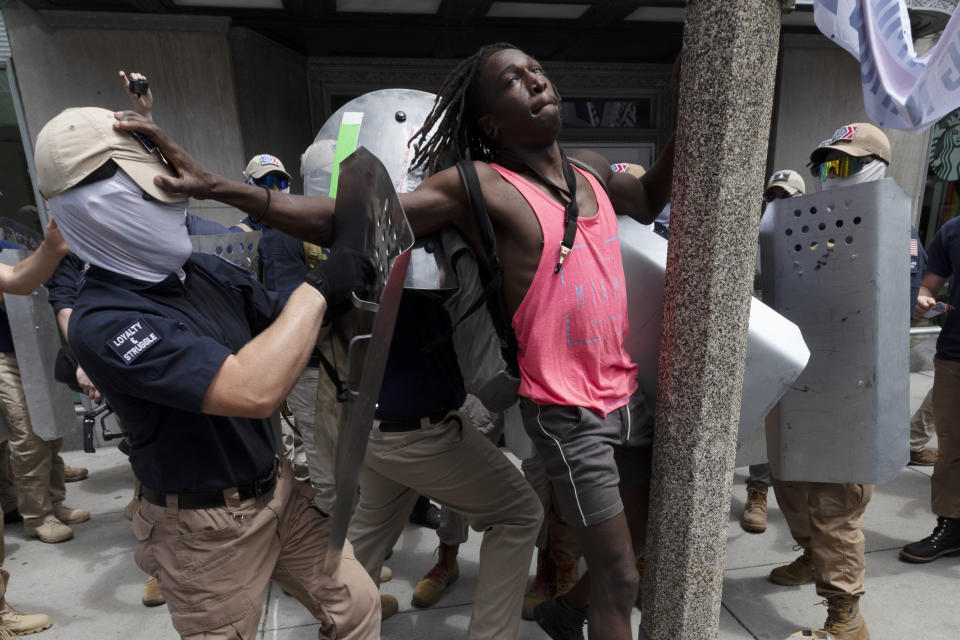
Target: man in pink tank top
(577, 380)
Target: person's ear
(489, 127)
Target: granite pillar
(726, 97)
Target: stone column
(726, 98)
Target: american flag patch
(844, 133)
(619, 167)
(267, 159)
(783, 175)
(914, 249)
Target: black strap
(570, 212)
(333, 375)
(491, 276)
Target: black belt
(390, 426)
(211, 498)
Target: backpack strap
(580, 164)
(492, 281)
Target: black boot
(425, 514)
(560, 619)
(945, 540)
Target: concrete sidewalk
(91, 587)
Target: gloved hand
(345, 271)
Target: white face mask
(876, 170)
(109, 224)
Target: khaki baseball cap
(79, 141)
(788, 180)
(262, 164)
(633, 169)
(857, 139)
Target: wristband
(266, 207)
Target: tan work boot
(151, 594)
(74, 474)
(754, 518)
(388, 606)
(386, 574)
(443, 574)
(798, 572)
(844, 622)
(50, 530)
(66, 515)
(543, 587)
(22, 624)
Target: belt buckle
(262, 485)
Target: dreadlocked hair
(454, 115)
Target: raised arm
(640, 199)
(34, 270)
(437, 202)
(306, 217)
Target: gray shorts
(589, 458)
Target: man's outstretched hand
(192, 178)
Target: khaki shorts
(589, 458)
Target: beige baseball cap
(857, 139)
(79, 141)
(788, 180)
(262, 164)
(633, 169)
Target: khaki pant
(453, 464)
(945, 484)
(326, 425)
(454, 528)
(212, 565)
(35, 464)
(8, 495)
(921, 424)
(825, 517)
(4, 576)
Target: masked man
(194, 356)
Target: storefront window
(941, 198)
(614, 113)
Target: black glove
(345, 271)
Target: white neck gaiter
(876, 170)
(109, 224)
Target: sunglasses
(270, 181)
(842, 167)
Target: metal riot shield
(13, 231)
(237, 248)
(383, 122)
(837, 264)
(776, 352)
(37, 340)
(365, 190)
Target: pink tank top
(571, 325)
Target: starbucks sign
(945, 148)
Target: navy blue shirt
(283, 262)
(943, 255)
(153, 350)
(417, 384)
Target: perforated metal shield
(776, 352)
(837, 263)
(365, 191)
(13, 231)
(237, 248)
(37, 340)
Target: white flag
(901, 90)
